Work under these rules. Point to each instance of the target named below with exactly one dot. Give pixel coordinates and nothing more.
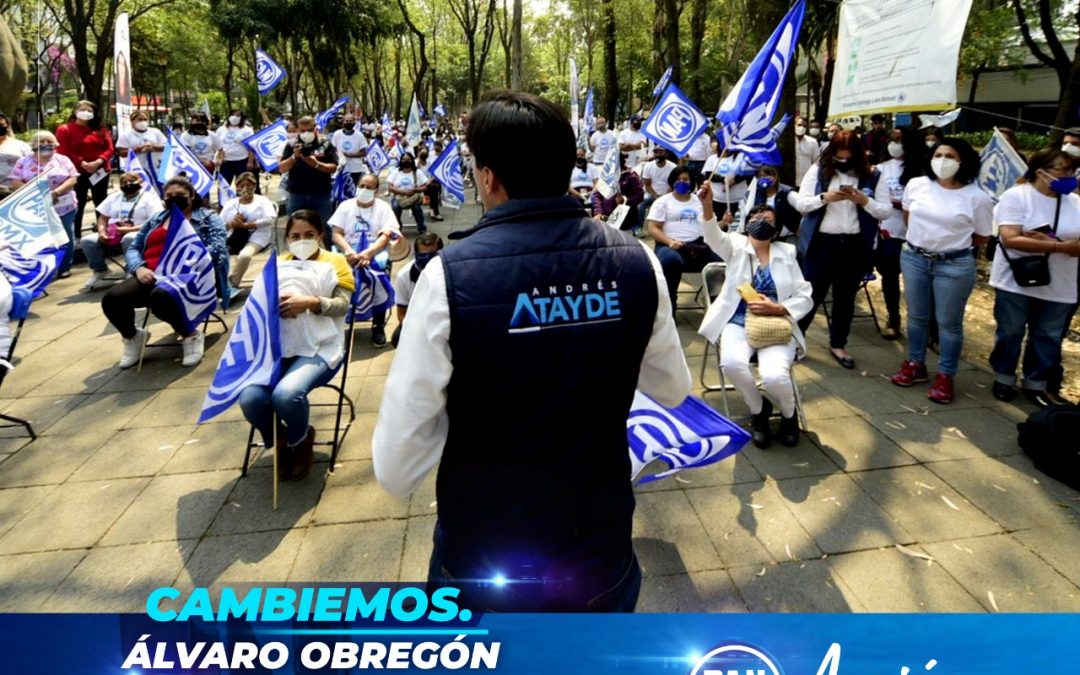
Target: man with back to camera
(517, 366)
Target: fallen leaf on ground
(924, 485)
(998, 487)
(787, 547)
(913, 553)
(993, 602)
(958, 547)
(680, 479)
(755, 506)
(949, 503)
(762, 572)
(801, 465)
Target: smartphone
(1045, 229)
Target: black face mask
(3, 130)
(842, 165)
(350, 127)
(635, 125)
(761, 229)
(407, 166)
(130, 188)
(198, 129)
(421, 259)
(580, 161)
(181, 202)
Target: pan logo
(676, 121)
(736, 658)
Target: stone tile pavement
(887, 504)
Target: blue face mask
(682, 187)
(765, 183)
(1064, 186)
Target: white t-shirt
(631, 137)
(404, 285)
(699, 150)
(406, 181)
(352, 220)
(230, 140)
(604, 142)
(680, 220)
(353, 142)
(1025, 206)
(118, 207)
(583, 178)
(134, 139)
(203, 147)
(11, 151)
(261, 210)
(807, 152)
(658, 175)
(890, 173)
(943, 220)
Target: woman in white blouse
(947, 215)
(315, 288)
(250, 221)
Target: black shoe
(1044, 399)
(378, 336)
(759, 425)
(1004, 392)
(789, 431)
(891, 330)
(845, 361)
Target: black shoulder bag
(1032, 270)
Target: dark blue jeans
(677, 262)
(1044, 323)
(323, 204)
(416, 209)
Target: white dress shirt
(841, 217)
(413, 423)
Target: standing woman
(1038, 219)
(62, 176)
(89, 146)
(839, 199)
(11, 151)
(947, 215)
(236, 158)
(906, 150)
(148, 142)
(203, 143)
(315, 288)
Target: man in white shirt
(351, 146)
(632, 142)
(807, 150)
(697, 155)
(516, 371)
(655, 177)
(425, 248)
(602, 142)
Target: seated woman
(119, 219)
(250, 221)
(772, 269)
(315, 286)
(140, 290)
(629, 190)
(675, 224)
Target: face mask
(580, 161)
(3, 131)
(198, 129)
(181, 202)
(800, 130)
(292, 137)
(304, 248)
(842, 165)
(761, 229)
(944, 167)
(1071, 150)
(422, 258)
(830, 135)
(349, 127)
(931, 144)
(682, 187)
(815, 132)
(44, 151)
(130, 189)
(365, 195)
(601, 128)
(1062, 186)
(635, 125)
(896, 150)
(84, 115)
(307, 136)
(765, 183)
(245, 192)
(407, 166)
(660, 159)
(234, 120)
(140, 126)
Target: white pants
(243, 260)
(774, 364)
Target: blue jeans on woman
(301, 374)
(1043, 321)
(417, 210)
(68, 221)
(941, 287)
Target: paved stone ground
(122, 493)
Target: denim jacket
(208, 225)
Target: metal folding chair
(20, 309)
(869, 301)
(214, 316)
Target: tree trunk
(697, 38)
(658, 64)
(827, 78)
(230, 52)
(671, 35)
(517, 72)
(611, 71)
(1067, 115)
(397, 78)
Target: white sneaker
(193, 349)
(133, 347)
(95, 279)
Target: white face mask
(931, 144)
(304, 248)
(84, 115)
(800, 130)
(815, 131)
(1071, 150)
(365, 195)
(234, 120)
(291, 137)
(140, 126)
(896, 150)
(944, 167)
(307, 136)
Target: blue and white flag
(609, 172)
(1002, 166)
(178, 159)
(205, 108)
(447, 170)
(376, 157)
(746, 114)
(133, 165)
(575, 94)
(28, 221)
(440, 110)
(268, 143)
(267, 72)
(323, 118)
(665, 79)
(675, 122)
(344, 188)
(689, 436)
(374, 293)
(413, 129)
(33, 273)
(186, 271)
(590, 112)
(225, 191)
(420, 108)
(253, 353)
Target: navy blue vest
(786, 215)
(550, 315)
(868, 225)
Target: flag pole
(273, 449)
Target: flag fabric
(224, 190)
(413, 129)
(178, 159)
(322, 120)
(376, 157)
(344, 188)
(268, 73)
(440, 110)
(590, 112)
(420, 108)
(939, 121)
(28, 221)
(447, 170)
(747, 113)
(133, 165)
(253, 353)
(665, 79)
(1001, 167)
(609, 174)
(575, 88)
(186, 271)
(374, 288)
(205, 108)
(268, 143)
(688, 436)
(675, 122)
(33, 273)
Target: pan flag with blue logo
(28, 221)
(376, 157)
(267, 72)
(447, 170)
(179, 160)
(374, 289)
(225, 191)
(186, 271)
(663, 83)
(322, 120)
(440, 110)
(746, 114)
(34, 273)
(688, 436)
(268, 143)
(253, 353)
(1001, 166)
(675, 122)
(344, 187)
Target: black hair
(428, 239)
(914, 150)
(969, 160)
(760, 208)
(1072, 131)
(1043, 160)
(678, 172)
(183, 181)
(94, 123)
(308, 216)
(496, 128)
(769, 170)
(876, 118)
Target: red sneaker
(910, 373)
(942, 391)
